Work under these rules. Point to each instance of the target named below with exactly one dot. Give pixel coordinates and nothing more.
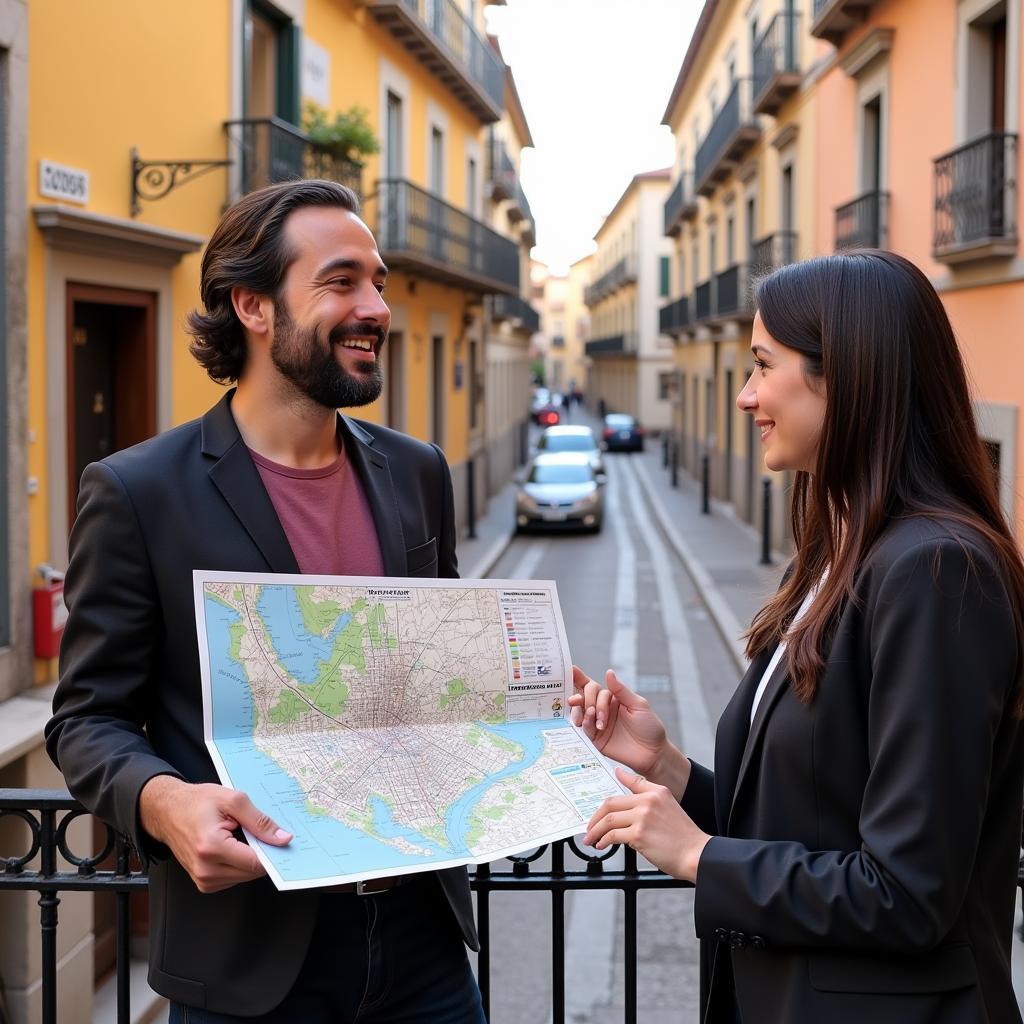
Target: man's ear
(255, 311)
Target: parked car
(570, 438)
(560, 491)
(548, 416)
(622, 433)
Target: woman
(855, 850)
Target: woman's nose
(746, 400)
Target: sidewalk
(494, 532)
(719, 550)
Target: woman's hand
(619, 722)
(650, 821)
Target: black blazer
(129, 702)
(865, 856)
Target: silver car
(560, 491)
(571, 438)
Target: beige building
(630, 358)
(741, 203)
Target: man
(270, 479)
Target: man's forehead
(318, 234)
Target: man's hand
(197, 822)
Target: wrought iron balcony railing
(613, 345)
(732, 292)
(834, 18)
(623, 272)
(520, 208)
(269, 150)
(733, 132)
(501, 172)
(48, 813)
(773, 251)
(863, 223)
(681, 204)
(976, 200)
(421, 233)
(675, 317)
(776, 63)
(516, 310)
(447, 44)
(704, 300)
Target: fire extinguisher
(49, 612)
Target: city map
(394, 725)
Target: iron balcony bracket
(154, 179)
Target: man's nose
(373, 307)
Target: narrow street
(629, 604)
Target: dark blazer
(864, 863)
(129, 703)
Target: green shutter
(664, 266)
(289, 63)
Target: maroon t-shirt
(325, 516)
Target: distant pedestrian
(855, 850)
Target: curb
(728, 626)
(486, 562)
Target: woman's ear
(255, 311)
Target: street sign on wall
(59, 182)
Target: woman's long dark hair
(898, 439)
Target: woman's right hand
(620, 722)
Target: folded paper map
(394, 725)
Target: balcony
(446, 43)
(976, 201)
(681, 205)
(613, 345)
(863, 223)
(624, 272)
(776, 64)
(773, 251)
(269, 150)
(421, 234)
(520, 208)
(834, 18)
(502, 180)
(517, 311)
(724, 296)
(734, 131)
(674, 318)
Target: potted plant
(348, 136)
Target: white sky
(595, 77)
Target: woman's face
(788, 406)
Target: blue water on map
(300, 652)
(323, 846)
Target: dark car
(622, 433)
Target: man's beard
(309, 364)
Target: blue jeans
(394, 958)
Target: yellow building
(630, 359)
(564, 325)
(126, 135)
(741, 203)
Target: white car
(570, 438)
(560, 491)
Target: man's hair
(248, 250)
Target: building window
(271, 64)
(666, 386)
(393, 155)
(664, 287)
(437, 161)
(471, 186)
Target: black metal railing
(521, 204)
(415, 226)
(976, 194)
(512, 307)
(459, 37)
(269, 150)
(679, 203)
(734, 127)
(612, 344)
(623, 272)
(703, 300)
(48, 813)
(675, 316)
(732, 291)
(501, 172)
(863, 223)
(775, 53)
(773, 251)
